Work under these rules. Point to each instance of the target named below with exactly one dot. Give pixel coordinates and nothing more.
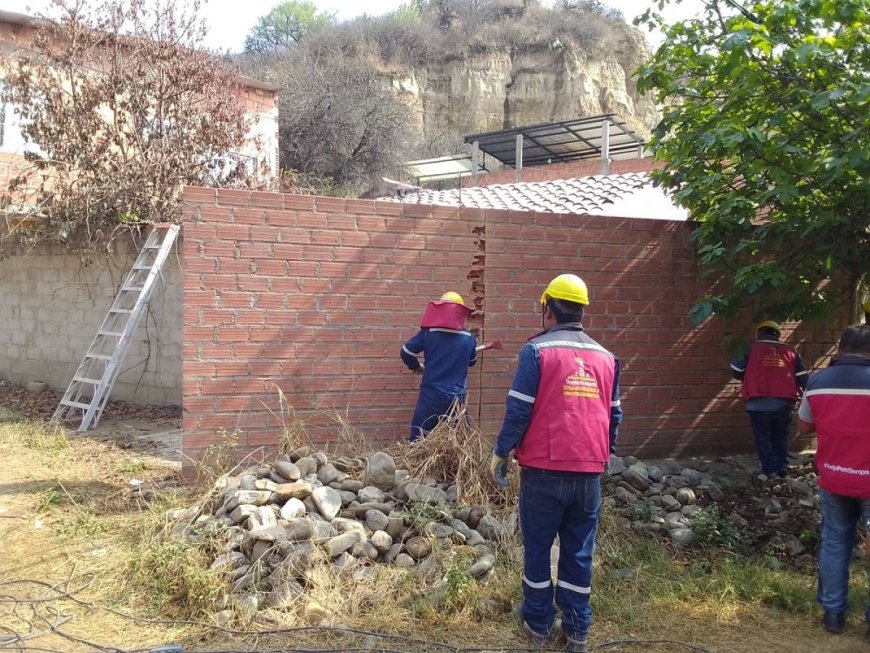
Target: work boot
(539, 639)
(834, 622)
(867, 635)
(576, 645)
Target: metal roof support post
(519, 159)
(640, 151)
(605, 147)
(475, 161)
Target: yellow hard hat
(454, 297)
(569, 287)
(769, 324)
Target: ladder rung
(75, 404)
(116, 334)
(99, 357)
(86, 380)
(121, 310)
(132, 289)
(142, 268)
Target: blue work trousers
(770, 431)
(432, 405)
(840, 517)
(567, 505)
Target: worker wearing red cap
(448, 349)
(773, 377)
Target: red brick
(233, 231)
(198, 195)
(233, 197)
(299, 202)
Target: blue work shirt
(448, 353)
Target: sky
(229, 21)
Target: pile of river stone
(664, 499)
(278, 522)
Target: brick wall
(51, 304)
(569, 170)
(315, 296)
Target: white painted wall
(52, 303)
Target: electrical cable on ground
(66, 594)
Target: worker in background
(448, 350)
(836, 406)
(562, 415)
(773, 377)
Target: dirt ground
(66, 516)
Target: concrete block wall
(315, 296)
(51, 304)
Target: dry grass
(456, 453)
(98, 568)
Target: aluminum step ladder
(92, 383)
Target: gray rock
(327, 500)
(248, 482)
(272, 533)
(292, 509)
(306, 466)
(793, 546)
(381, 471)
(320, 458)
(395, 549)
(299, 452)
(284, 594)
(692, 476)
(328, 474)
(372, 494)
(675, 518)
(617, 466)
(474, 538)
(253, 497)
(298, 559)
(634, 479)
(346, 497)
(366, 550)
(223, 618)
(377, 521)
(690, 510)
(438, 531)
(343, 525)
(242, 513)
(714, 491)
(686, 495)
(297, 490)
(482, 566)
(320, 528)
(625, 496)
(738, 521)
(772, 507)
(490, 527)
(265, 484)
(344, 562)
(419, 547)
(682, 535)
(655, 474)
(404, 561)
(669, 503)
(362, 508)
(364, 573)
(382, 541)
(262, 549)
(229, 561)
(396, 526)
(264, 516)
(300, 530)
(425, 493)
(288, 470)
(341, 543)
(351, 485)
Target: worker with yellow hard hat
(561, 418)
(448, 349)
(774, 378)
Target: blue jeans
(770, 431)
(432, 405)
(566, 504)
(840, 516)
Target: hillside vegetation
(362, 96)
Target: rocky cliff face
(479, 92)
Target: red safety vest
(770, 371)
(569, 427)
(843, 453)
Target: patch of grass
(218, 458)
(48, 499)
(10, 416)
(47, 439)
(83, 524)
(174, 574)
(712, 529)
(131, 466)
